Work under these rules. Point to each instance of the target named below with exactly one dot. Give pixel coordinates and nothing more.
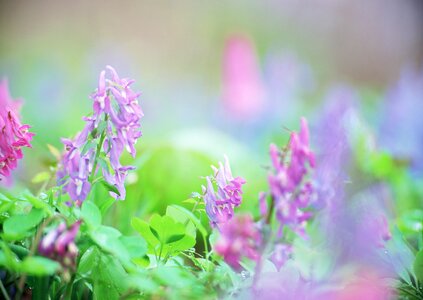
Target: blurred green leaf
(38, 266)
(91, 214)
(41, 177)
(418, 266)
(18, 227)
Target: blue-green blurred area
(52, 52)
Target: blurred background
(216, 76)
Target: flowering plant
(309, 235)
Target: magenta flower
(13, 135)
(116, 124)
(220, 204)
(59, 245)
(238, 238)
(290, 188)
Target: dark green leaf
(174, 238)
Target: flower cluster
(13, 135)
(59, 245)
(239, 238)
(220, 205)
(290, 190)
(113, 127)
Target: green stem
(271, 209)
(97, 154)
(4, 292)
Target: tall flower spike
(13, 135)
(220, 204)
(289, 188)
(113, 127)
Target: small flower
(220, 204)
(116, 124)
(238, 238)
(13, 135)
(59, 245)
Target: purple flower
(59, 245)
(220, 204)
(116, 124)
(401, 131)
(291, 190)
(13, 135)
(238, 238)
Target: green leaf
(418, 266)
(182, 214)
(108, 238)
(18, 227)
(88, 261)
(38, 266)
(8, 259)
(110, 187)
(174, 238)
(91, 214)
(136, 246)
(155, 233)
(411, 221)
(37, 202)
(104, 272)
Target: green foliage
(418, 266)
(165, 236)
(104, 272)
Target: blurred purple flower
(243, 90)
(59, 245)
(118, 123)
(238, 238)
(291, 191)
(280, 255)
(402, 124)
(220, 205)
(13, 135)
(333, 149)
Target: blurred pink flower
(13, 135)
(239, 238)
(243, 89)
(367, 286)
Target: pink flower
(243, 90)
(13, 135)
(220, 204)
(239, 238)
(289, 187)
